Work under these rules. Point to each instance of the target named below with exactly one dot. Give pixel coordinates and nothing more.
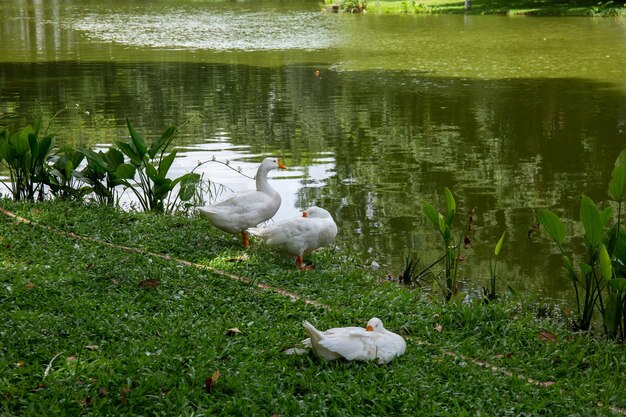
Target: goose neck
(262, 184)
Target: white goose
(356, 343)
(247, 209)
(300, 235)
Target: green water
(512, 114)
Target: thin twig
(45, 374)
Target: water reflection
(369, 149)
(370, 126)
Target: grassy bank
(587, 8)
(90, 326)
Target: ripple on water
(252, 31)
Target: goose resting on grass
(300, 235)
(249, 208)
(356, 343)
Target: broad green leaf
(621, 158)
(95, 160)
(130, 152)
(161, 190)
(450, 206)
(612, 311)
(20, 141)
(55, 173)
(45, 145)
(161, 144)
(137, 140)
(166, 163)
(620, 250)
(125, 171)
(585, 268)
(605, 263)
(69, 169)
(499, 245)
(431, 213)
(114, 157)
(442, 225)
(619, 284)
(606, 215)
(618, 181)
(592, 221)
(152, 172)
(188, 184)
(33, 144)
(553, 225)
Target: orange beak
(281, 165)
(305, 214)
(369, 329)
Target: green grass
(126, 347)
(517, 7)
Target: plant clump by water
(599, 279)
(37, 167)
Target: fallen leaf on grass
(546, 336)
(102, 392)
(38, 388)
(149, 283)
(92, 347)
(115, 282)
(439, 328)
(90, 266)
(126, 390)
(508, 355)
(546, 383)
(71, 358)
(19, 364)
(211, 381)
(124, 394)
(233, 331)
(30, 285)
(85, 402)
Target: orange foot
(244, 237)
(301, 265)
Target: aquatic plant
(409, 276)
(490, 294)
(24, 153)
(451, 244)
(61, 179)
(105, 171)
(600, 282)
(151, 185)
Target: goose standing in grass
(249, 208)
(300, 235)
(356, 343)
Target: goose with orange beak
(356, 343)
(299, 235)
(247, 209)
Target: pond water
(372, 114)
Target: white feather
(356, 343)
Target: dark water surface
(512, 114)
